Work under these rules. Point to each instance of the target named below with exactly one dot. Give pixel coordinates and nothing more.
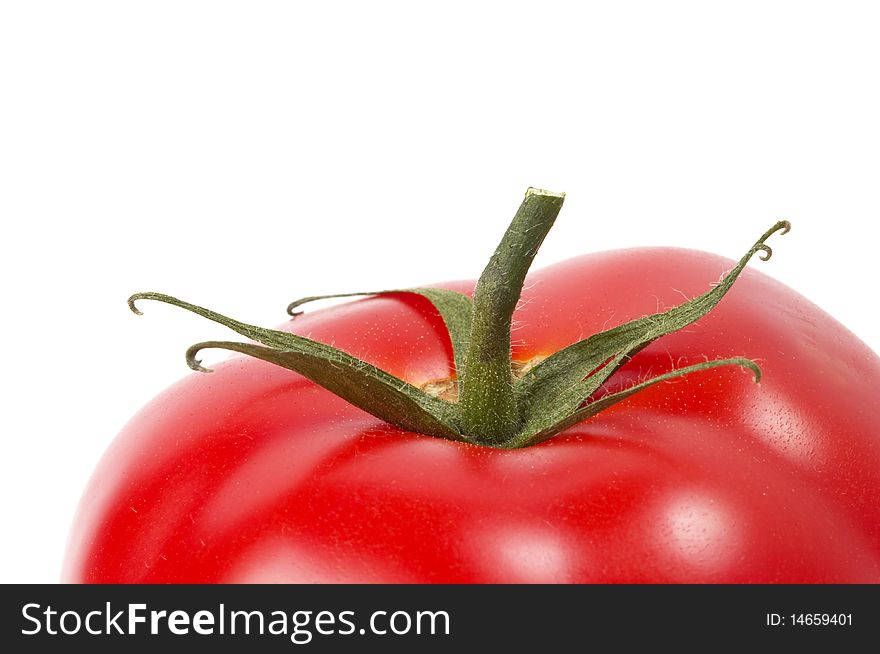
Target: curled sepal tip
(191, 354)
(132, 303)
(782, 227)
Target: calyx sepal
(494, 407)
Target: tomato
(256, 474)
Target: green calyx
(490, 405)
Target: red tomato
(255, 474)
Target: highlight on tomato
(581, 423)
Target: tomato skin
(254, 474)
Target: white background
(242, 154)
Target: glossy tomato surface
(254, 474)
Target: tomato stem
(495, 408)
(489, 410)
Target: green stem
(487, 400)
(493, 409)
